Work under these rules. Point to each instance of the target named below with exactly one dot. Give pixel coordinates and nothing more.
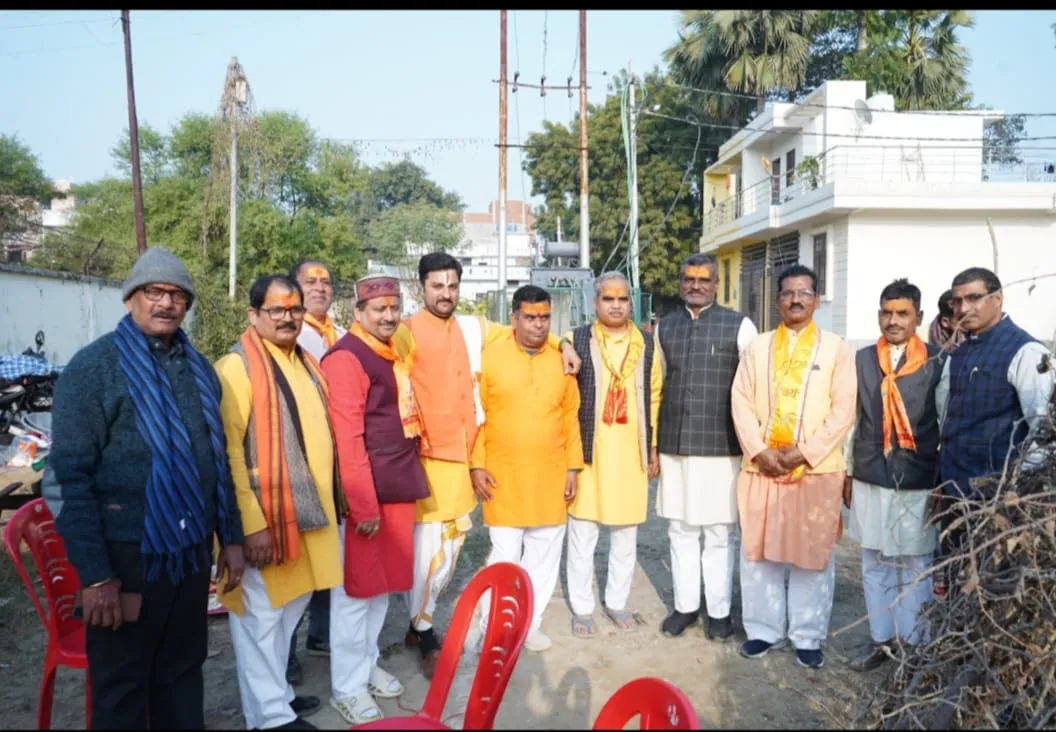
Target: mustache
(167, 312)
(387, 324)
(287, 326)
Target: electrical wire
(542, 81)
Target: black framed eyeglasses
(278, 313)
(157, 294)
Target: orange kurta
(530, 439)
(384, 563)
(800, 522)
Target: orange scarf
(324, 327)
(615, 410)
(895, 416)
(276, 489)
(413, 424)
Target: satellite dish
(862, 113)
(766, 165)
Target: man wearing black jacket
(139, 484)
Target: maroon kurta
(359, 406)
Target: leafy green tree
(23, 189)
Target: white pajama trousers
(355, 625)
(538, 551)
(802, 613)
(894, 603)
(714, 565)
(261, 638)
(623, 554)
(435, 558)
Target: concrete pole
(584, 202)
(632, 257)
(502, 165)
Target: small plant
(809, 169)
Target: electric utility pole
(632, 249)
(584, 203)
(502, 165)
(133, 133)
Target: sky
(395, 82)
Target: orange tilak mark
(615, 291)
(389, 301)
(698, 273)
(289, 301)
(535, 308)
(318, 272)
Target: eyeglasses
(803, 294)
(972, 298)
(278, 313)
(156, 294)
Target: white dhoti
(698, 495)
(261, 638)
(623, 554)
(894, 602)
(355, 625)
(802, 613)
(538, 551)
(437, 545)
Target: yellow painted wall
(733, 256)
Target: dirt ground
(562, 688)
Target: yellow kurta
(614, 488)
(530, 439)
(451, 490)
(319, 565)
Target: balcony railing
(892, 164)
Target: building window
(726, 281)
(821, 261)
(775, 182)
(790, 167)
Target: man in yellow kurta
(528, 452)
(793, 402)
(281, 450)
(619, 391)
(444, 350)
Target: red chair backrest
(511, 607)
(661, 704)
(33, 524)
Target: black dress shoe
(872, 657)
(305, 706)
(720, 629)
(676, 623)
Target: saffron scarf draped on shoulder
(276, 454)
(789, 378)
(615, 410)
(896, 419)
(413, 425)
(324, 327)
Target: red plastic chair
(510, 615)
(34, 524)
(661, 704)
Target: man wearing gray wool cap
(138, 482)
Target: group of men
(324, 469)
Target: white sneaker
(384, 685)
(537, 641)
(357, 709)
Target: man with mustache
(320, 334)
(999, 382)
(699, 347)
(444, 351)
(891, 471)
(282, 453)
(138, 483)
(528, 454)
(619, 393)
(378, 428)
(793, 403)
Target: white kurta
(701, 491)
(890, 521)
(312, 340)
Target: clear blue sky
(389, 78)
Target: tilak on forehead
(615, 289)
(377, 286)
(318, 272)
(287, 300)
(535, 308)
(698, 272)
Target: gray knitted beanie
(158, 265)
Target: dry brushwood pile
(991, 660)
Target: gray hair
(699, 259)
(599, 283)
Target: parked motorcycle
(27, 383)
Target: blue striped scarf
(174, 530)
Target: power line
(815, 105)
(542, 81)
(54, 23)
(771, 131)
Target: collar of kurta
(694, 316)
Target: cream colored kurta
(695, 489)
(890, 521)
(319, 565)
(798, 523)
(614, 488)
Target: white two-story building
(864, 195)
